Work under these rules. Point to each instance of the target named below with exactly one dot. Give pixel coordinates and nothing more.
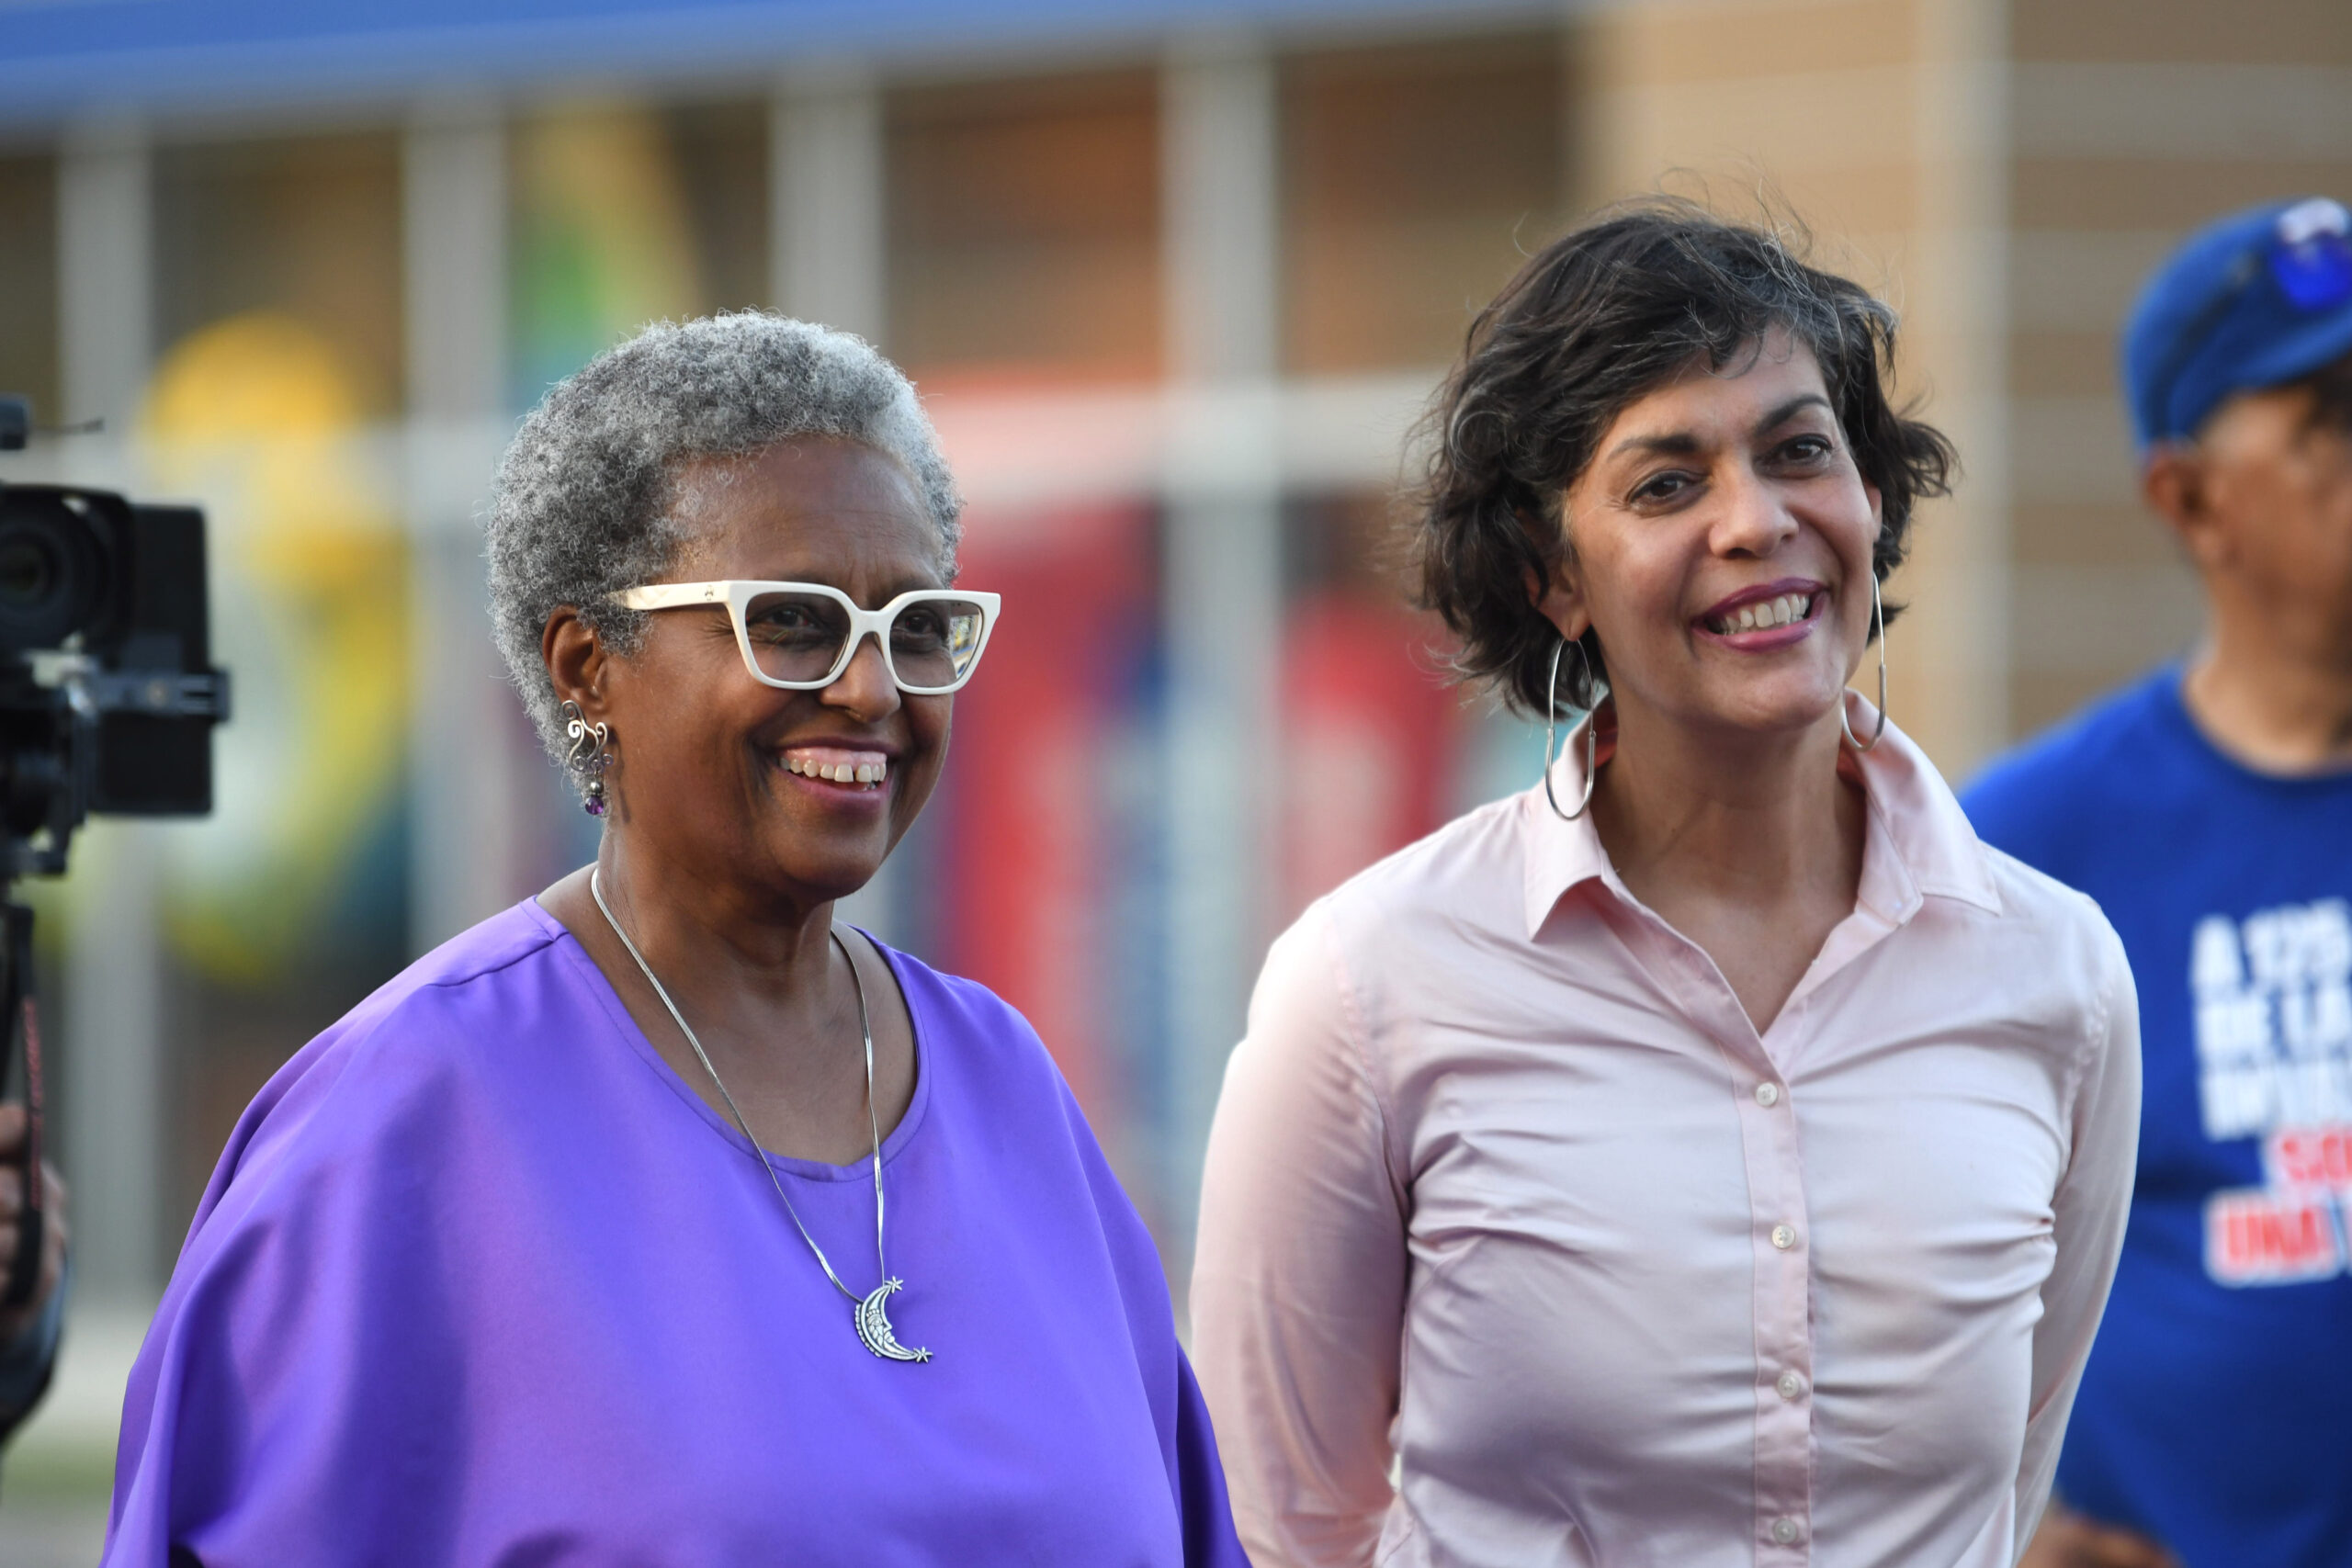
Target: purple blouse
(479, 1280)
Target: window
(1025, 227)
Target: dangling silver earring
(591, 754)
(1878, 619)
(1591, 729)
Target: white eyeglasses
(800, 635)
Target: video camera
(107, 700)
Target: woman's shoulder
(966, 1024)
(988, 1069)
(2033, 899)
(1470, 865)
(497, 963)
(1383, 938)
(424, 1033)
(2046, 927)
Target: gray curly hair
(585, 503)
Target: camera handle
(21, 1019)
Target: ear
(1560, 601)
(2178, 488)
(1877, 498)
(575, 658)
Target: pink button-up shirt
(1508, 1199)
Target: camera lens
(29, 572)
(52, 567)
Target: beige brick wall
(2132, 121)
(2006, 172)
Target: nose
(1754, 521)
(864, 688)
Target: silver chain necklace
(871, 1315)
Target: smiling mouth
(1763, 616)
(847, 770)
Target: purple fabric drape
(479, 1281)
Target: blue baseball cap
(2254, 300)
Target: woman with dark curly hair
(1712, 1155)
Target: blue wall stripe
(72, 57)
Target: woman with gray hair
(660, 1219)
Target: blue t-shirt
(2216, 1411)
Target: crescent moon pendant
(874, 1330)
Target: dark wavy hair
(1595, 320)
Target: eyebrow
(1680, 442)
(1791, 408)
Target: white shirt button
(1786, 1531)
(1785, 1237)
(1767, 1094)
(1790, 1386)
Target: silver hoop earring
(1591, 729)
(1878, 619)
(591, 754)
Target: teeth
(871, 772)
(1779, 611)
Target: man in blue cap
(2209, 809)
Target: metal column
(472, 772)
(114, 1058)
(1222, 564)
(825, 214)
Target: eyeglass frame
(735, 594)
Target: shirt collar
(1918, 843)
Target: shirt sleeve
(2093, 1201)
(1298, 1281)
